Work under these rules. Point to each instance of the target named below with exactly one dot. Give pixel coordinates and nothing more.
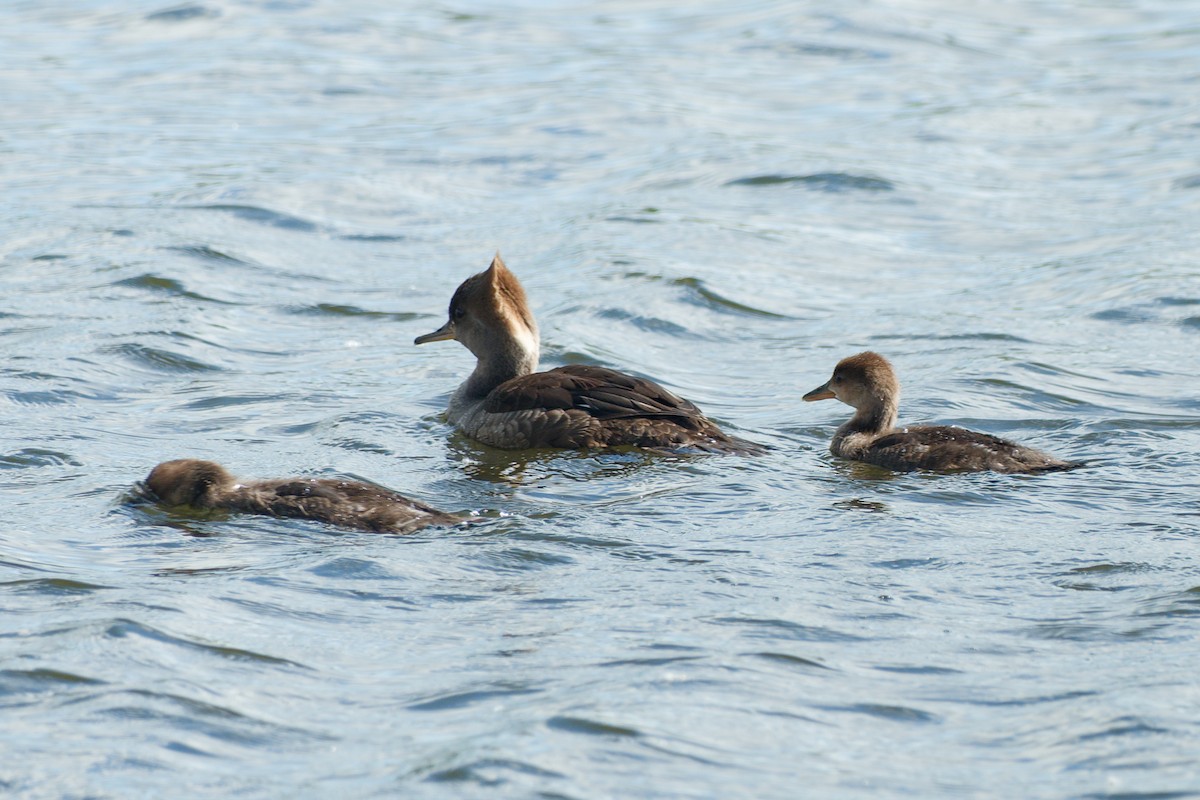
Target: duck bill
(822, 392)
(440, 335)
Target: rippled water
(224, 222)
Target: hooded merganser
(505, 403)
(867, 382)
(350, 504)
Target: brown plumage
(867, 382)
(348, 504)
(506, 403)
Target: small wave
(790, 660)
(360, 445)
(893, 713)
(786, 629)
(161, 360)
(645, 216)
(262, 216)
(206, 253)
(225, 401)
(648, 662)
(649, 324)
(1176, 605)
(182, 13)
(819, 50)
(59, 587)
(906, 670)
(351, 569)
(372, 237)
(335, 310)
(702, 295)
(466, 699)
(123, 628)
(185, 713)
(859, 504)
(46, 680)
(488, 771)
(169, 286)
(37, 457)
(820, 181)
(590, 727)
(983, 336)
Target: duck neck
(515, 357)
(872, 420)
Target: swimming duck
(506, 403)
(350, 504)
(867, 382)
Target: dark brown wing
(350, 504)
(600, 392)
(945, 447)
(306, 488)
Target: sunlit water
(224, 222)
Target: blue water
(222, 224)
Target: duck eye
(458, 312)
(837, 378)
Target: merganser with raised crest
(349, 504)
(507, 404)
(868, 383)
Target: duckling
(868, 383)
(507, 404)
(349, 504)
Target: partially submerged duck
(506, 403)
(868, 383)
(349, 504)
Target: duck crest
(511, 304)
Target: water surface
(224, 222)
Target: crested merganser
(868, 383)
(349, 504)
(507, 404)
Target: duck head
(490, 315)
(863, 381)
(187, 482)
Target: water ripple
(457, 700)
(491, 772)
(168, 286)
(781, 628)
(37, 457)
(19, 681)
(790, 660)
(821, 181)
(590, 727)
(182, 13)
(261, 216)
(59, 587)
(334, 310)
(204, 252)
(891, 713)
(160, 360)
(218, 722)
(123, 628)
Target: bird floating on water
(349, 504)
(868, 383)
(507, 403)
